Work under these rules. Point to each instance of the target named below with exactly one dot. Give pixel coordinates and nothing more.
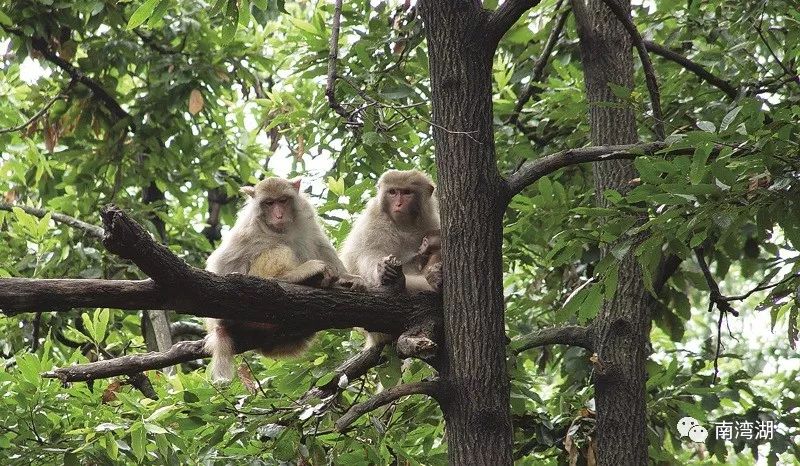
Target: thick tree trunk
(623, 325)
(471, 191)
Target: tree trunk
(477, 412)
(623, 325)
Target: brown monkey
(429, 259)
(276, 234)
(389, 232)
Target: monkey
(429, 259)
(388, 235)
(276, 235)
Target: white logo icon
(698, 434)
(685, 424)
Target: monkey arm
(313, 272)
(416, 282)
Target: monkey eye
(269, 203)
(392, 191)
(405, 192)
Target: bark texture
(471, 194)
(623, 325)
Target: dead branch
(582, 337)
(426, 387)
(90, 229)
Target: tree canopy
(165, 108)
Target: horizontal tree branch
(501, 19)
(532, 170)
(130, 365)
(175, 285)
(91, 230)
(572, 335)
(426, 387)
(696, 68)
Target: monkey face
(278, 213)
(402, 204)
(275, 198)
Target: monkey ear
(296, 183)
(431, 189)
(249, 190)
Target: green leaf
(138, 441)
(142, 13)
(5, 20)
(100, 324)
(89, 325)
(707, 126)
(591, 305)
(728, 118)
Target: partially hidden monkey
(276, 235)
(429, 259)
(391, 230)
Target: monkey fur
(276, 235)
(389, 232)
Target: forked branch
(508, 13)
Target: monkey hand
(315, 273)
(352, 282)
(390, 271)
(433, 275)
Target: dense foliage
(198, 98)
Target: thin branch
(762, 287)
(350, 370)
(582, 337)
(537, 74)
(184, 327)
(623, 17)
(130, 365)
(696, 68)
(40, 45)
(716, 298)
(426, 387)
(532, 170)
(91, 230)
(501, 20)
(333, 56)
(785, 68)
(61, 94)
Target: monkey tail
(222, 350)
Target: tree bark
(623, 325)
(471, 194)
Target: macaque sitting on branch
(276, 235)
(386, 238)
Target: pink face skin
(278, 213)
(402, 203)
